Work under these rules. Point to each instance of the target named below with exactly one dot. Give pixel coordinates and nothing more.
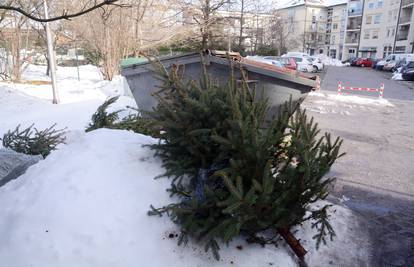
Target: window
(351, 51)
(335, 26)
(380, 4)
(333, 39)
(390, 32)
(320, 38)
(400, 49)
(371, 5)
(385, 52)
(368, 20)
(375, 34)
(366, 34)
(377, 19)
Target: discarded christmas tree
(31, 141)
(236, 172)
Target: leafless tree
(114, 34)
(280, 30)
(203, 14)
(27, 9)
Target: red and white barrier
(365, 89)
(318, 83)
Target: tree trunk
(241, 24)
(16, 46)
(205, 28)
(293, 243)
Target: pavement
(375, 179)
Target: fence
(379, 90)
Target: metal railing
(402, 37)
(407, 2)
(405, 19)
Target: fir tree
(236, 172)
(31, 141)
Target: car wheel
(315, 69)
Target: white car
(304, 64)
(317, 63)
(266, 60)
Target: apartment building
(355, 10)
(352, 28)
(308, 23)
(336, 24)
(404, 41)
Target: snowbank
(352, 99)
(330, 61)
(397, 75)
(26, 104)
(86, 204)
(91, 85)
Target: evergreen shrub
(236, 172)
(32, 141)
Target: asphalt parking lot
(375, 178)
(367, 77)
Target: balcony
(402, 37)
(354, 24)
(351, 41)
(354, 12)
(407, 2)
(405, 19)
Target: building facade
(405, 28)
(353, 28)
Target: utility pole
(229, 31)
(51, 53)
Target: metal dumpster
(277, 84)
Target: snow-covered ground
(26, 103)
(328, 61)
(86, 204)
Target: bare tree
(113, 34)
(203, 13)
(280, 30)
(22, 8)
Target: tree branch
(61, 17)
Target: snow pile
(26, 104)
(86, 204)
(91, 85)
(330, 61)
(332, 99)
(397, 75)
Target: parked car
(297, 54)
(288, 63)
(317, 63)
(407, 71)
(399, 64)
(267, 60)
(304, 64)
(364, 62)
(390, 65)
(375, 62)
(392, 57)
(353, 61)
